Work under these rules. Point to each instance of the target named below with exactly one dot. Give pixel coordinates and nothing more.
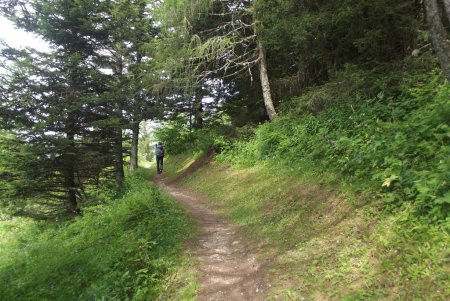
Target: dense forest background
(359, 89)
(70, 116)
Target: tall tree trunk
(438, 34)
(118, 146)
(198, 109)
(118, 138)
(190, 103)
(267, 95)
(447, 8)
(118, 157)
(69, 175)
(134, 146)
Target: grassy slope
(325, 246)
(351, 203)
(123, 249)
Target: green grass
(346, 191)
(121, 249)
(325, 243)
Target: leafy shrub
(178, 138)
(123, 249)
(175, 135)
(353, 84)
(396, 147)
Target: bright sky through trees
(19, 38)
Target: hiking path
(227, 264)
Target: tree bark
(190, 104)
(447, 8)
(198, 110)
(438, 34)
(267, 95)
(69, 175)
(134, 146)
(118, 138)
(118, 146)
(118, 158)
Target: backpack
(159, 151)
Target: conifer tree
(130, 30)
(221, 39)
(53, 100)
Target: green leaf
(388, 181)
(443, 200)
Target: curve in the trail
(227, 264)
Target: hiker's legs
(158, 164)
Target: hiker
(159, 152)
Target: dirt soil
(227, 263)
(201, 161)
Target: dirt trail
(227, 264)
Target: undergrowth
(123, 248)
(395, 148)
(353, 199)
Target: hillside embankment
(322, 242)
(346, 191)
